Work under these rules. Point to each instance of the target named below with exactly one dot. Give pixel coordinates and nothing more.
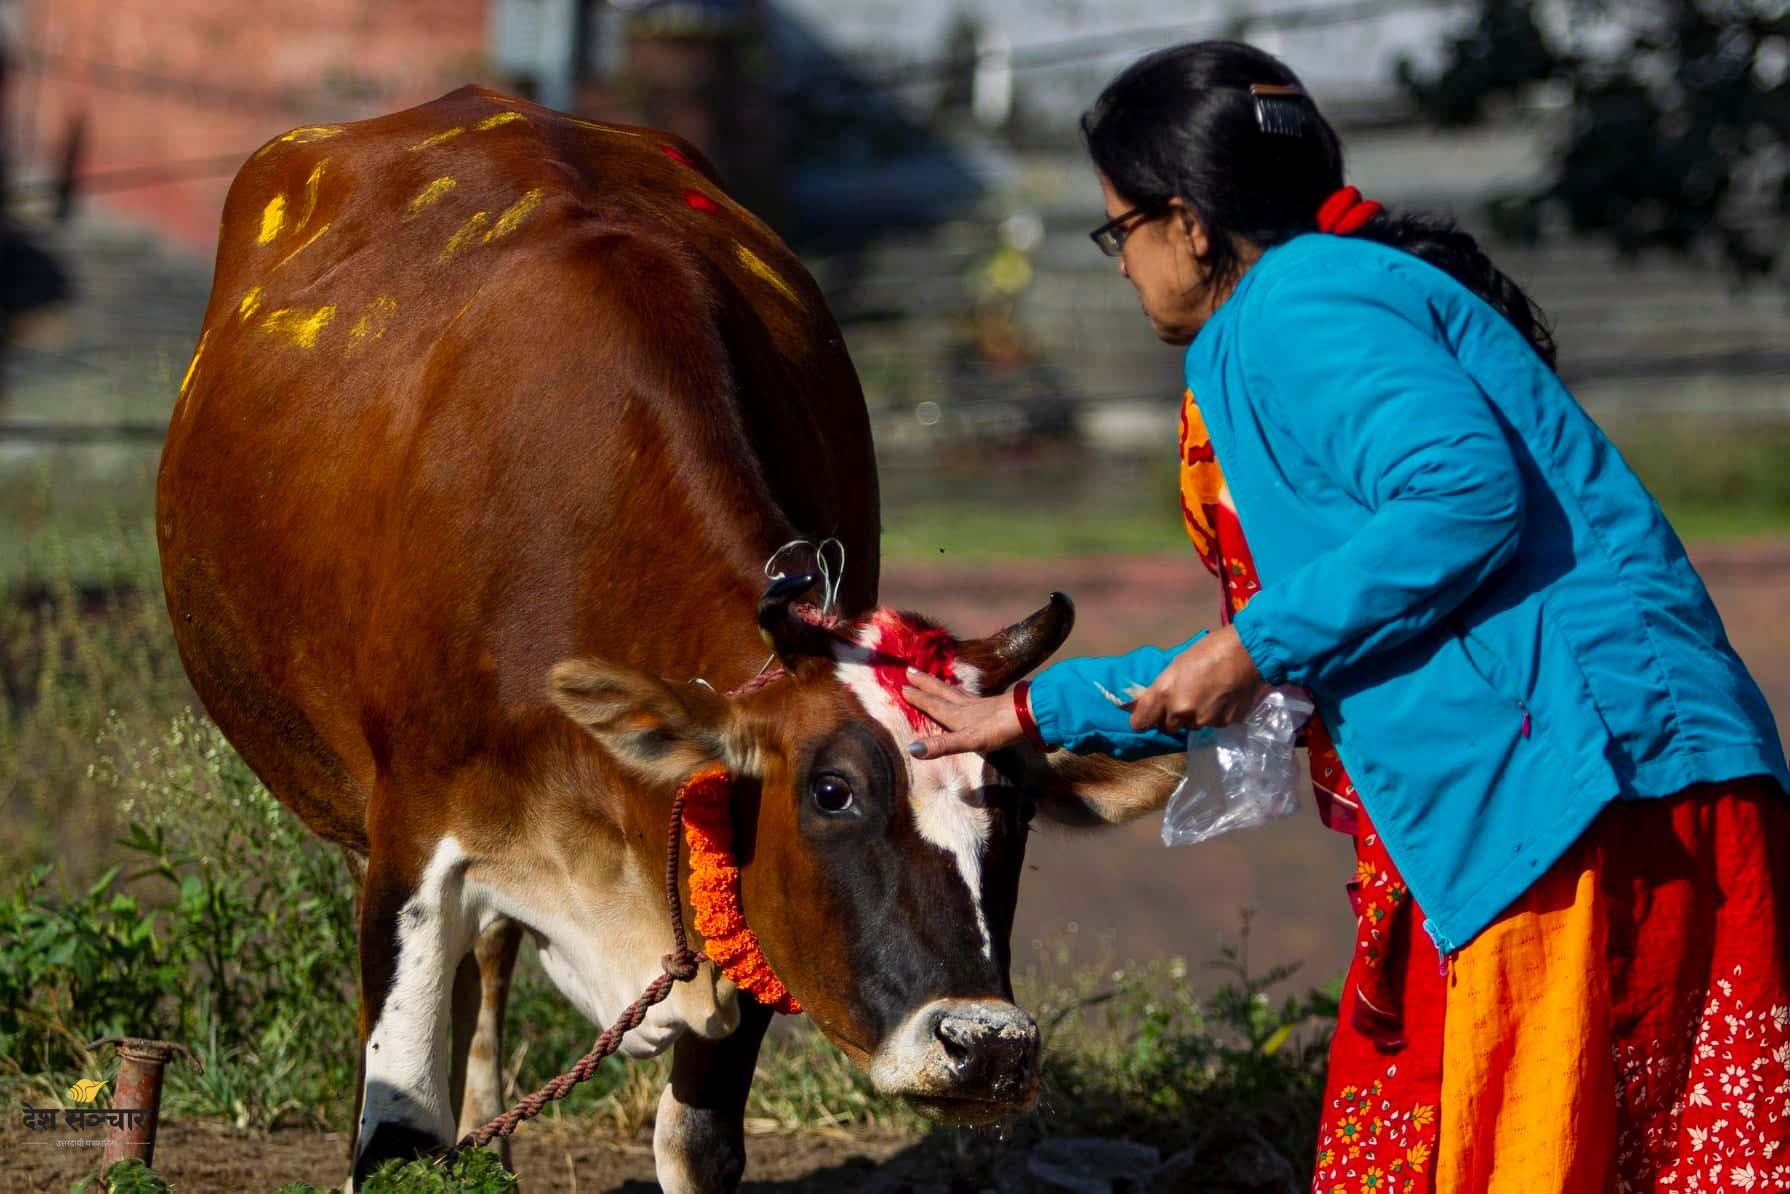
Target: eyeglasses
(1110, 236)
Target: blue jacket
(1499, 627)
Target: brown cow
(488, 394)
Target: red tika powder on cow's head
(896, 641)
(899, 641)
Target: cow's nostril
(959, 1039)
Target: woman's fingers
(941, 709)
(933, 684)
(940, 745)
(1162, 707)
(1146, 711)
(972, 723)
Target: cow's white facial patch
(942, 792)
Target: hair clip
(1279, 108)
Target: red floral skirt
(1624, 1026)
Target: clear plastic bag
(1242, 775)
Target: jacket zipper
(1522, 706)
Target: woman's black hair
(1183, 123)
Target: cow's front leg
(699, 1138)
(414, 929)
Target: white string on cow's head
(830, 579)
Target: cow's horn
(789, 634)
(1007, 655)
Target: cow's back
(481, 387)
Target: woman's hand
(1212, 683)
(981, 724)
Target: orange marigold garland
(715, 891)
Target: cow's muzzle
(968, 1061)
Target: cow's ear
(1093, 790)
(658, 730)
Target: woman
(1567, 794)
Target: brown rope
(680, 967)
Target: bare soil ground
(1113, 895)
(199, 1158)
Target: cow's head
(881, 887)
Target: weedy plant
(192, 937)
(1140, 1052)
(124, 1177)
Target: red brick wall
(255, 69)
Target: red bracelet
(1022, 705)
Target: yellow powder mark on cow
(303, 136)
(298, 327)
(491, 122)
(515, 215)
(466, 234)
(756, 264)
(303, 247)
(273, 217)
(429, 196)
(479, 229)
(193, 367)
(373, 321)
(313, 186)
(438, 138)
(251, 302)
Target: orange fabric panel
(1528, 1084)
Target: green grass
(83, 515)
(1717, 480)
(1711, 524)
(958, 534)
(87, 513)
(947, 532)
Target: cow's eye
(832, 793)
